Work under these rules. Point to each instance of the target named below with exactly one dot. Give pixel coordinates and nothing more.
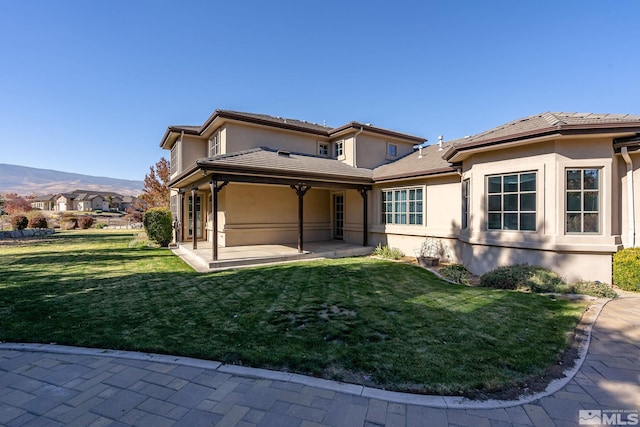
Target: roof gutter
(355, 144)
(630, 198)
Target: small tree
(19, 222)
(156, 190)
(37, 221)
(157, 223)
(15, 204)
(85, 222)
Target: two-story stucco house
(553, 189)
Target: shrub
(457, 273)
(595, 289)
(387, 252)
(68, 222)
(524, 277)
(157, 223)
(101, 225)
(19, 222)
(85, 222)
(38, 221)
(626, 269)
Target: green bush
(157, 224)
(538, 279)
(626, 269)
(85, 221)
(19, 222)
(101, 225)
(523, 277)
(595, 289)
(387, 252)
(38, 221)
(457, 273)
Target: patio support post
(300, 189)
(216, 187)
(365, 220)
(194, 231)
(179, 216)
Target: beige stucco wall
(571, 266)
(243, 137)
(371, 150)
(575, 256)
(268, 214)
(441, 216)
(628, 237)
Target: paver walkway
(55, 386)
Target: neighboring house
(86, 200)
(45, 203)
(553, 189)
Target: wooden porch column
(365, 220)
(216, 187)
(194, 231)
(180, 209)
(300, 189)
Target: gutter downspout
(630, 198)
(355, 144)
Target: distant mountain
(26, 181)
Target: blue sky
(90, 87)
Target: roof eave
(455, 152)
(416, 175)
(356, 126)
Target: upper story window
(339, 149)
(403, 206)
(465, 203)
(511, 202)
(392, 150)
(583, 201)
(323, 149)
(214, 145)
(173, 162)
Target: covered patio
(201, 259)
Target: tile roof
(547, 122)
(414, 164)
(284, 123)
(285, 163)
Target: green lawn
(360, 320)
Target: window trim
(408, 202)
(215, 149)
(339, 149)
(328, 149)
(466, 204)
(519, 211)
(582, 191)
(389, 155)
(174, 158)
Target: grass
(361, 320)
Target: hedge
(626, 269)
(157, 223)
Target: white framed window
(323, 149)
(582, 209)
(392, 150)
(465, 203)
(173, 204)
(403, 206)
(173, 161)
(339, 149)
(511, 201)
(214, 145)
